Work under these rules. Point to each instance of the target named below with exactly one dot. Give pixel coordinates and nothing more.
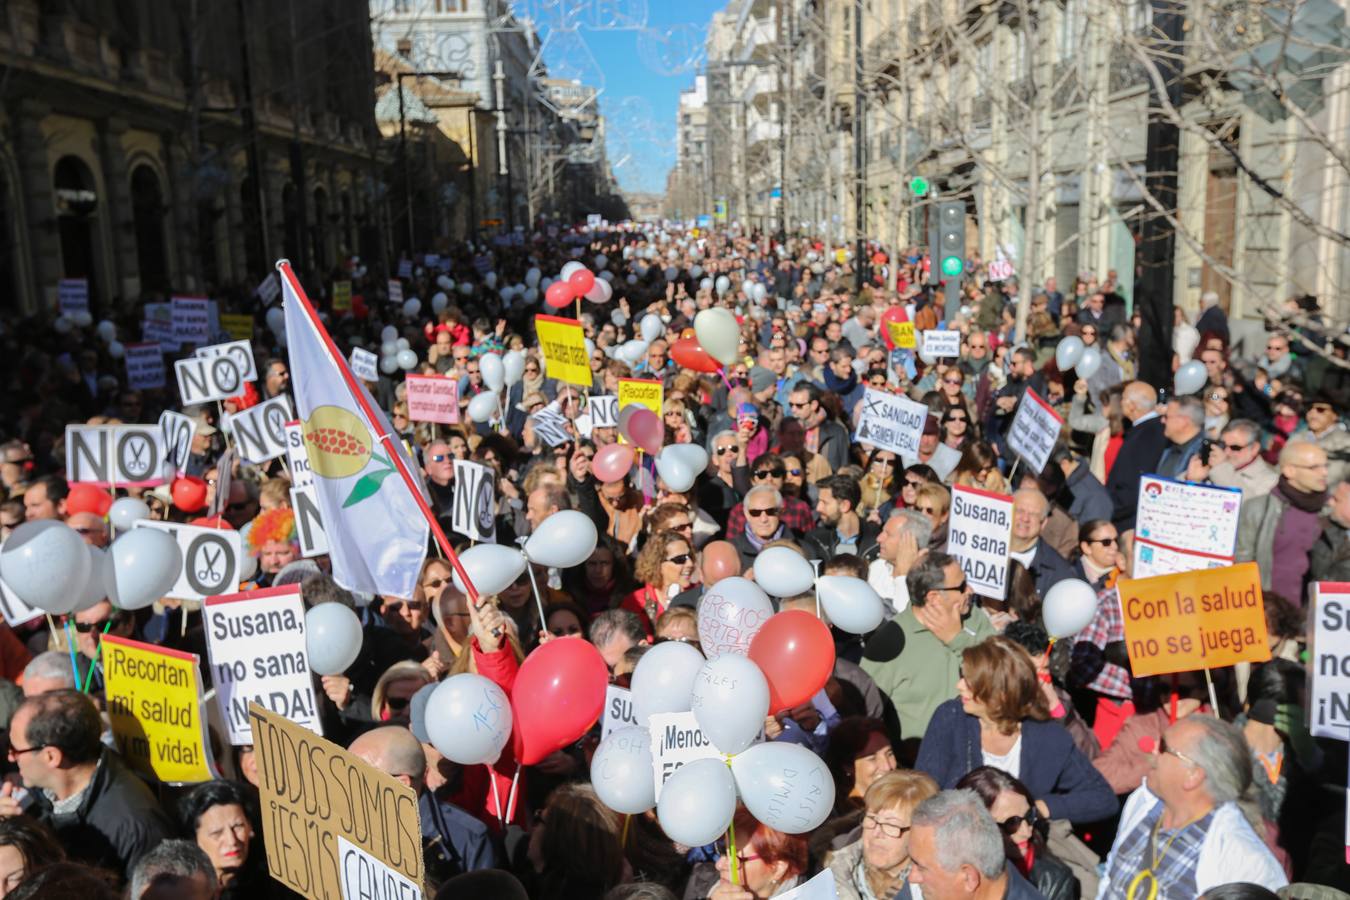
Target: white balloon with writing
(730, 700)
(621, 771)
(730, 614)
(468, 719)
(664, 679)
(785, 786)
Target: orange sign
(1204, 619)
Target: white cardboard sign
(239, 351)
(361, 876)
(72, 296)
(941, 344)
(365, 365)
(1035, 428)
(978, 534)
(892, 422)
(191, 320)
(177, 431)
(475, 501)
(15, 611)
(297, 455)
(309, 521)
(676, 740)
(202, 380)
(604, 411)
(1183, 526)
(115, 455)
(256, 645)
(210, 559)
(619, 711)
(260, 431)
(145, 366)
(1329, 705)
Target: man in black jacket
(841, 529)
(101, 812)
(1139, 452)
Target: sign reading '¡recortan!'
(564, 347)
(315, 796)
(1204, 619)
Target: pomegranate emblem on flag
(340, 446)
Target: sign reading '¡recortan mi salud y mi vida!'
(1204, 619)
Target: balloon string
(534, 585)
(70, 645)
(98, 652)
(623, 840)
(722, 370)
(731, 852)
(511, 798)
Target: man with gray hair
(174, 870)
(1240, 465)
(1184, 428)
(48, 671)
(903, 539)
(763, 507)
(957, 851)
(1181, 832)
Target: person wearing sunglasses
(1024, 832)
(665, 567)
(1322, 425)
(393, 692)
(915, 657)
(438, 464)
(763, 524)
(768, 862)
(1000, 718)
(771, 470)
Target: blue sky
(641, 99)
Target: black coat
(823, 542)
(1048, 567)
(1139, 454)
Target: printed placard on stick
(891, 422)
(978, 536)
(365, 365)
(1183, 526)
(1034, 430)
(145, 366)
(239, 351)
(202, 380)
(475, 501)
(1329, 706)
(564, 347)
(115, 455)
(210, 559)
(309, 521)
(260, 431)
(676, 741)
(433, 398)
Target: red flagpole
(284, 268)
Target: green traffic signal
(952, 265)
(918, 185)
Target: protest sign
(638, 391)
(115, 455)
(177, 432)
(432, 260)
(260, 431)
(551, 426)
(314, 794)
(365, 365)
(604, 411)
(902, 334)
(238, 326)
(821, 887)
(1329, 705)
(1194, 620)
(14, 610)
(1035, 428)
(239, 351)
(941, 344)
(268, 289)
(475, 501)
(405, 268)
(433, 398)
(309, 525)
(256, 644)
(155, 708)
(619, 712)
(202, 380)
(891, 422)
(210, 559)
(978, 534)
(157, 326)
(72, 296)
(363, 877)
(297, 455)
(342, 296)
(1183, 526)
(145, 366)
(564, 348)
(676, 741)
(395, 291)
(191, 320)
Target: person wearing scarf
(1277, 530)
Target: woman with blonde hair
(394, 691)
(877, 863)
(1000, 718)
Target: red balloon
(189, 493)
(582, 280)
(212, 522)
(613, 462)
(644, 428)
(560, 294)
(688, 353)
(894, 315)
(558, 695)
(795, 651)
(87, 498)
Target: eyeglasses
(86, 627)
(1163, 748)
(1105, 542)
(956, 381)
(914, 483)
(678, 559)
(740, 852)
(1320, 408)
(794, 472)
(397, 704)
(1010, 825)
(927, 510)
(1235, 448)
(1216, 397)
(435, 584)
(756, 513)
(770, 473)
(438, 457)
(795, 405)
(723, 450)
(16, 752)
(890, 829)
(961, 418)
(531, 369)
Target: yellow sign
(342, 296)
(902, 334)
(564, 348)
(240, 326)
(1205, 619)
(315, 797)
(155, 705)
(642, 392)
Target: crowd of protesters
(972, 756)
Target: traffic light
(951, 250)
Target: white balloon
(402, 344)
(532, 276)
(444, 283)
(468, 718)
(566, 538)
(333, 637)
(83, 318)
(784, 785)
(730, 614)
(618, 317)
(675, 471)
(607, 275)
(490, 279)
(107, 331)
(706, 284)
(483, 406)
(723, 284)
(465, 288)
(411, 307)
(671, 273)
(632, 279)
(95, 588)
(513, 367)
(697, 802)
(144, 564)
(389, 364)
(601, 260)
(126, 512)
(1089, 363)
(45, 563)
(718, 333)
(491, 567)
(439, 301)
(568, 269)
(783, 572)
(621, 771)
(632, 351)
(62, 325)
(1068, 608)
(531, 295)
(696, 271)
(389, 348)
(407, 359)
(1068, 352)
(389, 333)
(850, 603)
(693, 455)
(494, 374)
(664, 679)
(116, 350)
(730, 699)
(248, 565)
(1190, 378)
(652, 327)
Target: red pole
(284, 267)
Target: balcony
(761, 86)
(757, 40)
(761, 131)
